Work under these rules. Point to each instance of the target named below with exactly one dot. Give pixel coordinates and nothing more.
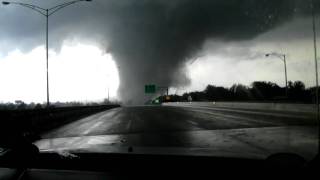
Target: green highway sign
(150, 88)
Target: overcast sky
(121, 45)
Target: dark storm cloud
(151, 40)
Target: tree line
(20, 105)
(257, 91)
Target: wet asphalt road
(162, 119)
(190, 130)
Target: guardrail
(308, 108)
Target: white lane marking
(193, 123)
(242, 111)
(129, 125)
(235, 119)
(93, 127)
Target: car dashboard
(67, 166)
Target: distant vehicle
(189, 98)
(156, 101)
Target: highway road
(221, 129)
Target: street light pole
(46, 13)
(316, 70)
(47, 54)
(283, 58)
(285, 72)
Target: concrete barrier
(308, 108)
(13, 123)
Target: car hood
(253, 143)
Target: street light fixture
(45, 12)
(283, 58)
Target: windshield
(213, 77)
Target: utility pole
(108, 95)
